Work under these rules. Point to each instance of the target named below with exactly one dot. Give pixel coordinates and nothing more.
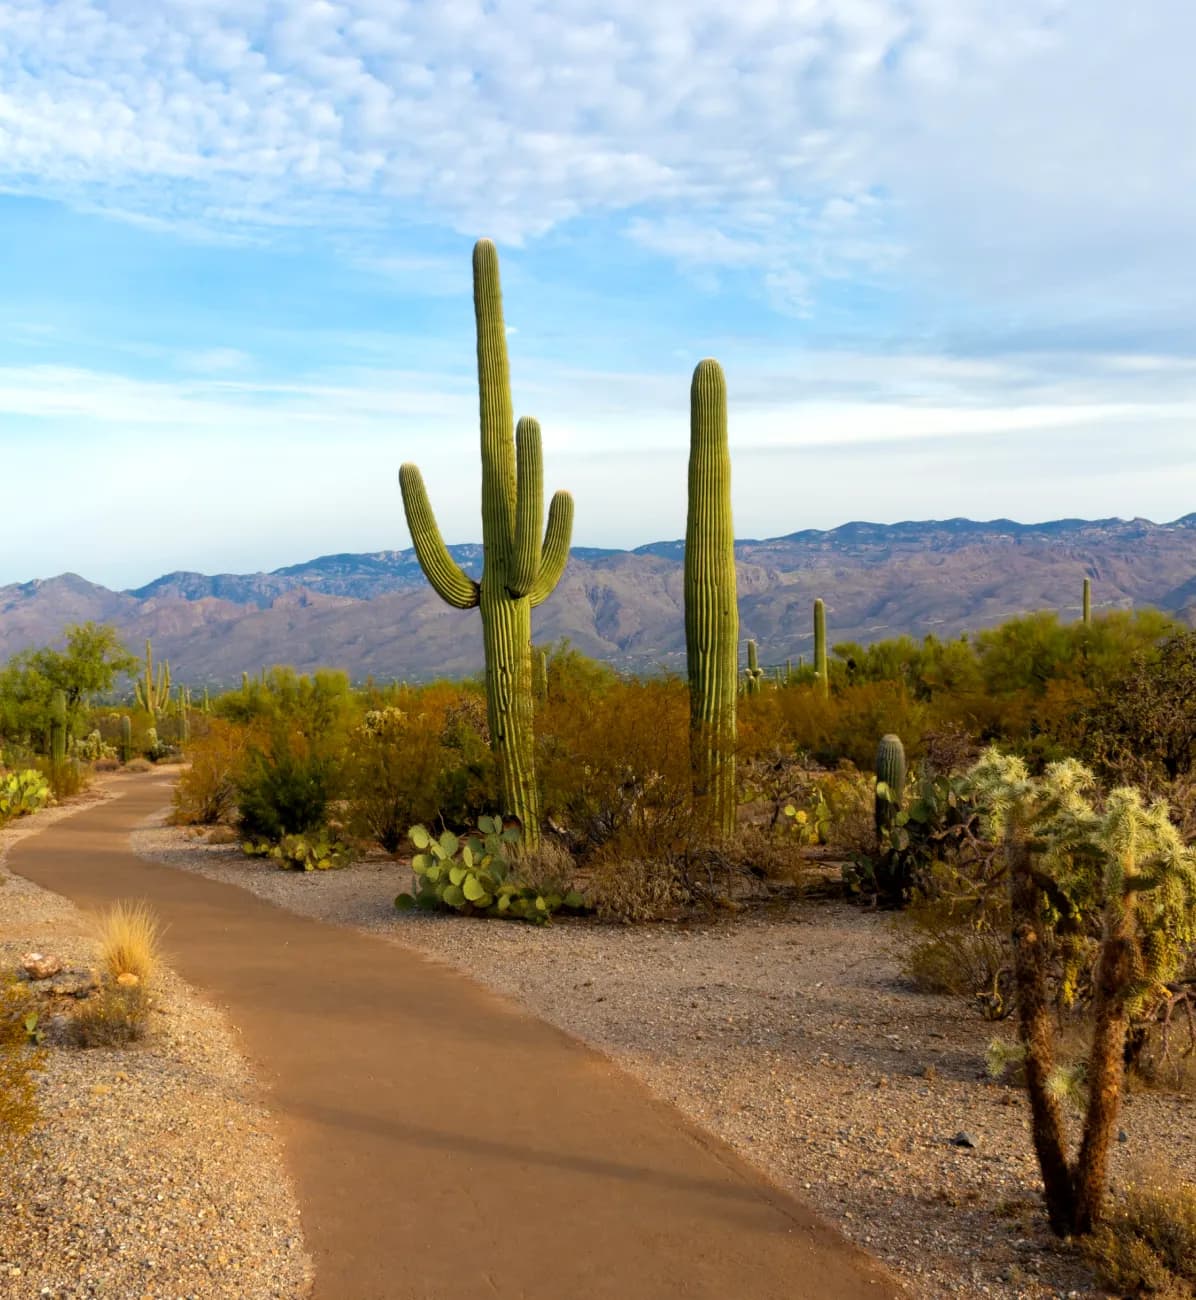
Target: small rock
(72, 984)
(962, 1139)
(39, 966)
(127, 980)
(1122, 1135)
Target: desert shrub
(400, 771)
(22, 793)
(1147, 1245)
(19, 1062)
(475, 874)
(960, 952)
(620, 771)
(317, 851)
(138, 766)
(284, 789)
(114, 1016)
(635, 890)
(836, 809)
(130, 941)
(65, 779)
(206, 792)
(549, 868)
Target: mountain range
(375, 615)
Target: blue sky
(942, 248)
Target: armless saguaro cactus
(1087, 602)
(824, 681)
(58, 728)
(711, 604)
(519, 571)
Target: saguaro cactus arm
(554, 554)
(450, 582)
(529, 508)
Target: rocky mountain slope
(375, 614)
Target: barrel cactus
(520, 569)
(711, 601)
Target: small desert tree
(1122, 870)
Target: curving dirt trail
(444, 1144)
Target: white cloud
(794, 138)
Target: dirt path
(444, 1144)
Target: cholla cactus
(1072, 864)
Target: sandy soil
(153, 1171)
(792, 1036)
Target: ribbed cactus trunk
(58, 729)
(1087, 602)
(126, 738)
(824, 681)
(711, 603)
(519, 571)
(890, 782)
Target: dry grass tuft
(1147, 1246)
(629, 890)
(130, 941)
(19, 1060)
(113, 1017)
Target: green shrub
(283, 791)
(475, 874)
(397, 774)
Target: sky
(942, 248)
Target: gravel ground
(793, 1037)
(153, 1171)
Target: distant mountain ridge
(374, 614)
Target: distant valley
(375, 614)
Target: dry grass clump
(139, 765)
(958, 955)
(630, 890)
(1147, 1245)
(549, 868)
(113, 1017)
(130, 935)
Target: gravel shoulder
(153, 1171)
(791, 1036)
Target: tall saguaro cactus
(520, 570)
(824, 681)
(711, 604)
(754, 674)
(1087, 602)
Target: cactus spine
(58, 729)
(890, 783)
(520, 570)
(126, 738)
(711, 604)
(824, 681)
(754, 673)
(153, 692)
(1087, 602)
